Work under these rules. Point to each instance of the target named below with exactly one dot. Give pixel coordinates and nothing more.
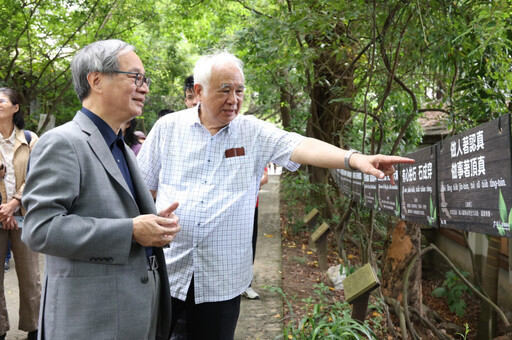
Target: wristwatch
(347, 159)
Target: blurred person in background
(164, 112)
(189, 92)
(15, 147)
(129, 136)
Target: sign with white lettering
(463, 182)
(370, 192)
(357, 186)
(343, 179)
(418, 188)
(475, 184)
(389, 196)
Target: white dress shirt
(217, 196)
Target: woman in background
(15, 146)
(130, 138)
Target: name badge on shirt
(235, 152)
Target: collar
(106, 131)
(12, 138)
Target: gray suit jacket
(79, 213)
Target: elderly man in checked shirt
(211, 160)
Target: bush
(452, 290)
(325, 320)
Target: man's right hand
(156, 231)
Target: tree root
(500, 313)
(398, 311)
(405, 310)
(426, 322)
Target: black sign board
(475, 184)
(389, 195)
(346, 182)
(357, 186)
(418, 188)
(370, 190)
(343, 180)
(336, 177)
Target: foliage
(325, 320)
(297, 191)
(506, 217)
(39, 37)
(382, 62)
(452, 290)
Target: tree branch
(241, 2)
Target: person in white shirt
(211, 160)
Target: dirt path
(261, 319)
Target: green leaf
(503, 208)
(439, 292)
(501, 230)
(459, 308)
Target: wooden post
(319, 238)
(358, 286)
(359, 307)
(311, 220)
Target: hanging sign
(418, 188)
(343, 180)
(370, 191)
(389, 195)
(357, 186)
(475, 184)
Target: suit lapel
(101, 150)
(144, 198)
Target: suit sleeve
(71, 208)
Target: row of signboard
(463, 182)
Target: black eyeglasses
(139, 78)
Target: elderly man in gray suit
(90, 212)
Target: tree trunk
(332, 79)
(286, 109)
(405, 244)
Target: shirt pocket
(238, 173)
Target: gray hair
(100, 56)
(203, 68)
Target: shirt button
(144, 279)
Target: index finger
(397, 159)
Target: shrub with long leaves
(325, 319)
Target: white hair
(203, 68)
